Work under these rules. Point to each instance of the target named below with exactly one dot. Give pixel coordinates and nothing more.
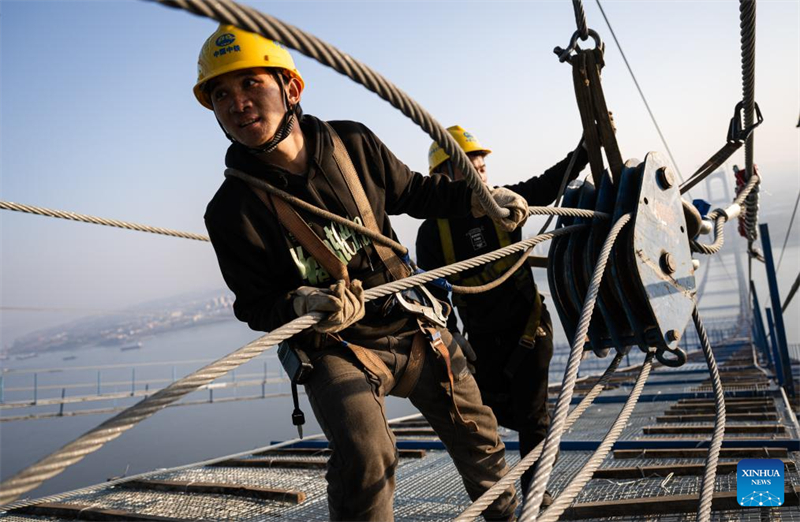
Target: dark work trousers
(519, 402)
(348, 403)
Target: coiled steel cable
(74, 216)
(476, 508)
(747, 27)
(109, 430)
(250, 19)
(719, 217)
(576, 485)
(544, 466)
(712, 458)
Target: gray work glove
(345, 305)
(516, 204)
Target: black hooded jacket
(262, 263)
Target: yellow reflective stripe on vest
(446, 238)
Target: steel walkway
(653, 474)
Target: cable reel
(647, 295)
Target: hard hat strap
(450, 171)
(292, 113)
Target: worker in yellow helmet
(508, 328)
(283, 261)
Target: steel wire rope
(111, 483)
(580, 19)
(788, 231)
(74, 216)
(576, 485)
(109, 430)
(747, 27)
(720, 217)
(544, 465)
(250, 19)
(712, 457)
(641, 93)
(479, 505)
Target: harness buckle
(431, 312)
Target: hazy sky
(97, 117)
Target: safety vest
(490, 272)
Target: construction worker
(508, 327)
(283, 261)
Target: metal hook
(679, 360)
(564, 54)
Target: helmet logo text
(225, 39)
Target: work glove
(516, 204)
(345, 305)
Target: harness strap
(416, 359)
(373, 364)
(290, 219)
(435, 339)
(391, 261)
(527, 341)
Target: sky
(97, 117)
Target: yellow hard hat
(465, 139)
(232, 49)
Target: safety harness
(427, 334)
(491, 272)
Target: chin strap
(292, 114)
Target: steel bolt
(673, 336)
(665, 178)
(668, 263)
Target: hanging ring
(564, 54)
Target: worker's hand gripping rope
(345, 305)
(516, 205)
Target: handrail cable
(544, 465)
(576, 485)
(641, 93)
(112, 428)
(85, 218)
(490, 495)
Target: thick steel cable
(544, 466)
(109, 430)
(719, 217)
(148, 474)
(712, 458)
(786, 239)
(73, 216)
(478, 506)
(430, 275)
(747, 27)
(471, 290)
(250, 19)
(576, 485)
(641, 94)
(580, 19)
